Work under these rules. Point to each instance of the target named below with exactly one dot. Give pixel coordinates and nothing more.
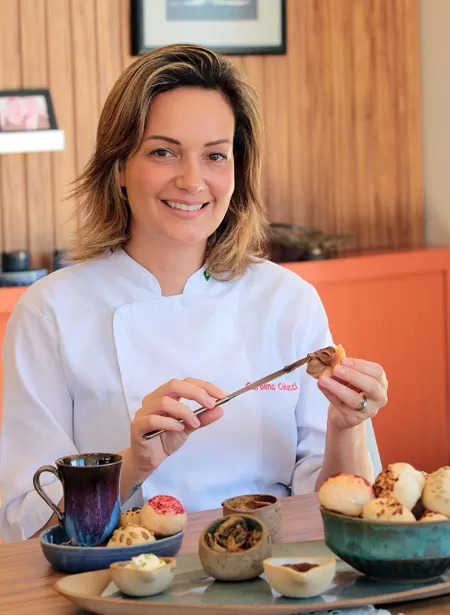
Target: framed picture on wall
(232, 27)
(26, 110)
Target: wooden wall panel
(61, 62)
(13, 203)
(34, 58)
(253, 67)
(125, 39)
(109, 51)
(85, 85)
(364, 183)
(407, 27)
(276, 170)
(342, 115)
(298, 33)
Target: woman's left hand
(352, 382)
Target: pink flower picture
(23, 113)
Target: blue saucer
(84, 559)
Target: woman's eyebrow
(175, 142)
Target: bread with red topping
(163, 515)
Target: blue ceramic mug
(91, 496)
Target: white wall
(435, 78)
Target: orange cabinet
(8, 299)
(393, 309)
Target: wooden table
(26, 579)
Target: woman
(171, 301)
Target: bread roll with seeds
(436, 493)
(130, 535)
(130, 517)
(387, 509)
(402, 482)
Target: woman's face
(179, 183)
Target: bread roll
(130, 535)
(387, 509)
(346, 494)
(401, 481)
(436, 493)
(322, 362)
(163, 515)
(130, 517)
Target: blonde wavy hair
(101, 204)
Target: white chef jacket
(85, 344)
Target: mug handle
(41, 492)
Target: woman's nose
(190, 177)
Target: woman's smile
(186, 209)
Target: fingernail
(347, 362)
(180, 426)
(195, 422)
(339, 370)
(209, 402)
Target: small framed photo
(231, 27)
(26, 110)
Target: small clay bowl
(136, 582)
(296, 584)
(264, 507)
(235, 566)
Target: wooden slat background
(342, 113)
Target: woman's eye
(161, 153)
(216, 156)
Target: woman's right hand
(160, 410)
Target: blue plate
(84, 559)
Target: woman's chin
(184, 236)
(188, 239)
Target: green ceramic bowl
(390, 552)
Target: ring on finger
(364, 403)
